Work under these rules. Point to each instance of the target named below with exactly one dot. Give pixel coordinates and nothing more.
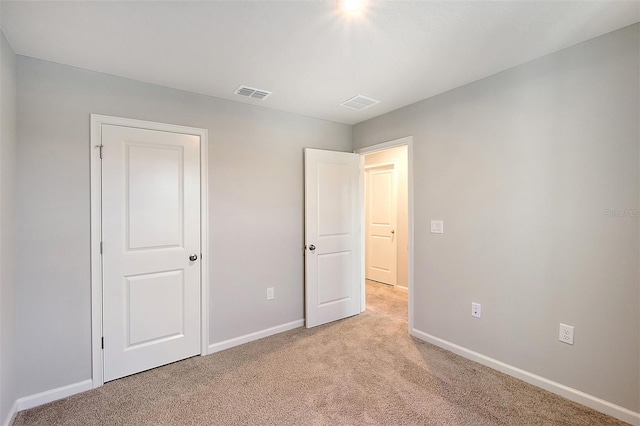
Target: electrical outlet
(566, 334)
(476, 310)
(269, 293)
(437, 227)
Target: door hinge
(101, 247)
(100, 147)
(103, 343)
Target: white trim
(363, 237)
(96, 258)
(388, 164)
(11, 415)
(572, 394)
(408, 141)
(236, 341)
(204, 242)
(37, 399)
(96, 231)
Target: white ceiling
(307, 53)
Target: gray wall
(522, 167)
(8, 141)
(256, 200)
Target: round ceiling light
(352, 6)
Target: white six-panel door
(380, 224)
(333, 274)
(150, 228)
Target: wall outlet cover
(476, 310)
(437, 227)
(566, 334)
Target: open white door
(332, 236)
(151, 259)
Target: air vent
(252, 92)
(359, 102)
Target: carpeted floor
(361, 370)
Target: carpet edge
(236, 341)
(567, 392)
(31, 401)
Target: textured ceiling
(306, 52)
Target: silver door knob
(193, 257)
(312, 247)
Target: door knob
(193, 257)
(393, 231)
(312, 247)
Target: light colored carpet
(361, 370)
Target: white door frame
(408, 141)
(97, 121)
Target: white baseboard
(31, 401)
(217, 347)
(572, 394)
(11, 415)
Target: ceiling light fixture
(352, 6)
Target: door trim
(97, 121)
(408, 141)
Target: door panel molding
(97, 121)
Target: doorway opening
(386, 228)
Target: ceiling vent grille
(359, 103)
(252, 92)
